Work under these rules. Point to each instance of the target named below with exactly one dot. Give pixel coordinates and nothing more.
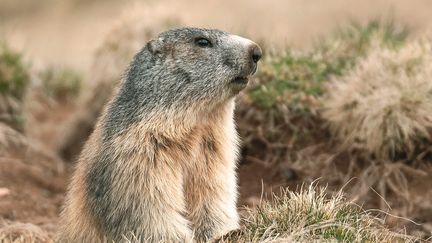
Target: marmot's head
(194, 65)
(180, 74)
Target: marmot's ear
(155, 46)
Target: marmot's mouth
(240, 80)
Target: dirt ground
(32, 177)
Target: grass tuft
(383, 107)
(14, 76)
(14, 80)
(311, 216)
(61, 83)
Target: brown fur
(200, 157)
(168, 173)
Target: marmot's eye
(203, 42)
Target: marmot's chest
(141, 144)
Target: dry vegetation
(311, 216)
(281, 110)
(22, 233)
(14, 79)
(383, 107)
(356, 105)
(299, 118)
(61, 83)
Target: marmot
(160, 164)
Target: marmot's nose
(255, 52)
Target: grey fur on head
(173, 72)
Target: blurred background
(342, 98)
(67, 32)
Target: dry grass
(29, 177)
(387, 185)
(383, 107)
(61, 84)
(22, 233)
(311, 216)
(32, 159)
(10, 139)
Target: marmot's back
(161, 162)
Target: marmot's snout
(252, 50)
(255, 52)
(250, 55)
